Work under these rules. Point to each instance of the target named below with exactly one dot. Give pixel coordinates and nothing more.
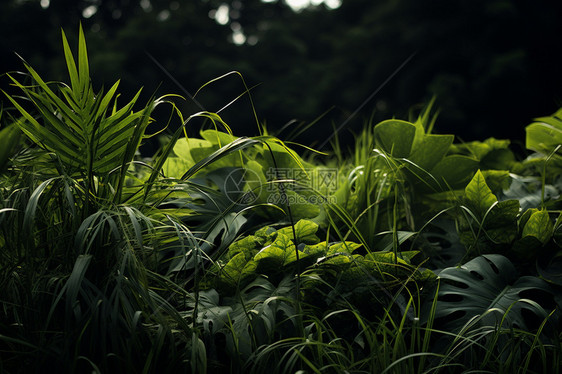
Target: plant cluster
(411, 253)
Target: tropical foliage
(409, 253)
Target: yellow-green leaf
(539, 226)
(479, 194)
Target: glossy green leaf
(479, 194)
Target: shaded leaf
(488, 284)
(539, 226)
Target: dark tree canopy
(493, 64)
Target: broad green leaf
(479, 194)
(237, 269)
(315, 249)
(342, 247)
(305, 231)
(183, 148)
(267, 233)
(174, 167)
(501, 222)
(498, 159)
(279, 253)
(226, 151)
(540, 226)
(430, 150)
(454, 170)
(300, 207)
(527, 248)
(488, 284)
(542, 137)
(497, 180)
(217, 138)
(545, 134)
(257, 184)
(248, 246)
(395, 137)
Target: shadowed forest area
(493, 65)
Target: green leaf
(479, 194)
(545, 134)
(217, 138)
(395, 137)
(305, 231)
(9, 140)
(550, 268)
(526, 248)
(279, 253)
(315, 249)
(248, 246)
(488, 285)
(431, 150)
(70, 64)
(501, 222)
(238, 269)
(454, 170)
(497, 180)
(539, 226)
(83, 68)
(342, 247)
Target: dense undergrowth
(410, 253)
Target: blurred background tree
(493, 64)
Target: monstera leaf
(489, 285)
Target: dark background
(493, 65)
